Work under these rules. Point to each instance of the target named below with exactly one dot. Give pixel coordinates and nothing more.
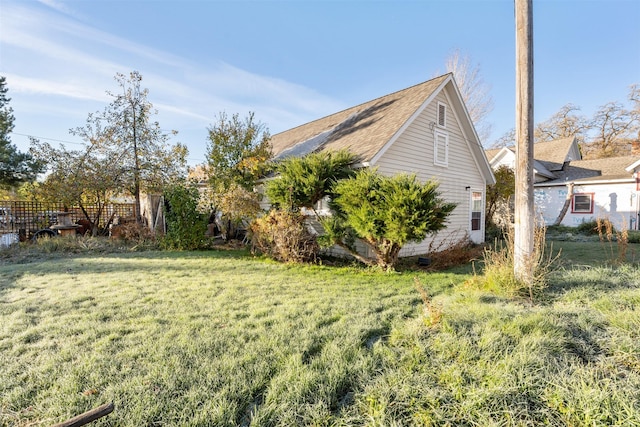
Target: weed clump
(615, 243)
(432, 312)
(498, 273)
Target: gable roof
(584, 171)
(507, 155)
(363, 129)
(553, 154)
(368, 129)
(550, 154)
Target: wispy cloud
(54, 58)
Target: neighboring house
(424, 129)
(598, 188)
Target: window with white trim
(582, 203)
(442, 115)
(476, 210)
(441, 148)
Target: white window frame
(441, 106)
(437, 158)
(471, 210)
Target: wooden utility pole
(524, 213)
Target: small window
(582, 203)
(476, 211)
(441, 149)
(442, 115)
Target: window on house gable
(441, 148)
(582, 203)
(442, 115)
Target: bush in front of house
(383, 213)
(387, 212)
(588, 228)
(283, 236)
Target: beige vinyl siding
(413, 152)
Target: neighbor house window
(476, 210)
(582, 203)
(442, 115)
(441, 148)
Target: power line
(76, 143)
(48, 139)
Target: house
(424, 129)
(598, 188)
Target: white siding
(617, 201)
(413, 152)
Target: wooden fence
(26, 218)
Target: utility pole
(524, 212)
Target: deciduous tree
(612, 125)
(237, 152)
(81, 178)
(475, 92)
(499, 195)
(126, 126)
(565, 123)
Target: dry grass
(498, 273)
(615, 243)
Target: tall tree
(565, 123)
(475, 92)
(126, 126)
(237, 155)
(613, 126)
(237, 152)
(15, 167)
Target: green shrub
(304, 181)
(186, 226)
(633, 236)
(588, 228)
(387, 212)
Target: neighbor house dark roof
(610, 168)
(363, 130)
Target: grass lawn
(220, 339)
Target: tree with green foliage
(15, 167)
(186, 226)
(387, 212)
(237, 152)
(126, 129)
(303, 181)
(86, 177)
(499, 196)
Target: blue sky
(294, 61)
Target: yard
(223, 339)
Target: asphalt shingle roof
(363, 129)
(583, 170)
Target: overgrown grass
(216, 338)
